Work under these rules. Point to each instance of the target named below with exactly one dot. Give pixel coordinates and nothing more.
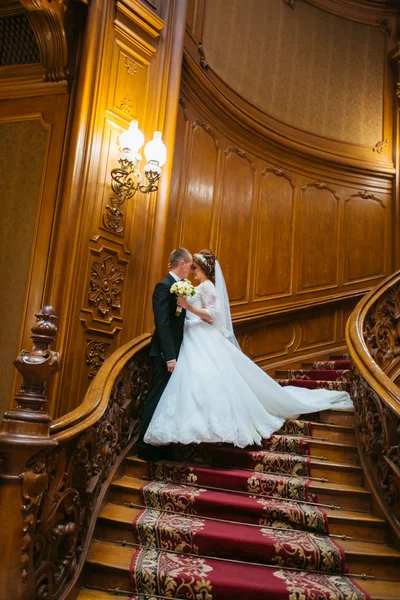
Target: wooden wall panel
(293, 336)
(281, 225)
(317, 331)
(129, 82)
(319, 242)
(32, 134)
(235, 222)
(365, 237)
(280, 336)
(198, 206)
(274, 242)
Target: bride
(216, 393)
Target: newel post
(25, 445)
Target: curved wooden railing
(373, 339)
(54, 474)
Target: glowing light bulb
(131, 140)
(156, 151)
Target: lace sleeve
(209, 298)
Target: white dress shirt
(174, 276)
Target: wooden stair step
(333, 471)
(346, 497)
(334, 433)
(337, 417)
(335, 451)
(377, 560)
(363, 556)
(93, 594)
(108, 567)
(115, 522)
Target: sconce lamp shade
(132, 139)
(155, 151)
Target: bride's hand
(181, 301)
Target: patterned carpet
(223, 523)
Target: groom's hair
(177, 255)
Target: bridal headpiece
(200, 259)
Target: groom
(168, 334)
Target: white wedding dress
(217, 394)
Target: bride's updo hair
(206, 261)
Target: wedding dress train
(217, 394)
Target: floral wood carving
(279, 173)
(384, 27)
(105, 285)
(203, 61)
(34, 480)
(50, 22)
(60, 489)
(380, 146)
(126, 105)
(96, 354)
(321, 185)
(290, 3)
(182, 103)
(130, 66)
(365, 195)
(378, 432)
(382, 329)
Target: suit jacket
(168, 334)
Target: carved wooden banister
(54, 474)
(373, 339)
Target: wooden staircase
(351, 515)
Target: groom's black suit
(165, 344)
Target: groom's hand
(171, 364)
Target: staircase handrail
(54, 474)
(373, 340)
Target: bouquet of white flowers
(182, 288)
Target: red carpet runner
(223, 523)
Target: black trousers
(159, 380)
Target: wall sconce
(127, 179)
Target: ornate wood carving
(382, 331)
(203, 60)
(25, 443)
(378, 430)
(57, 480)
(384, 26)
(182, 103)
(321, 185)
(96, 354)
(372, 336)
(35, 367)
(130, 66)
(279, 173)
(50, 22)
(380, 146)
(60, 489)
(126, 105)
(105, 285)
